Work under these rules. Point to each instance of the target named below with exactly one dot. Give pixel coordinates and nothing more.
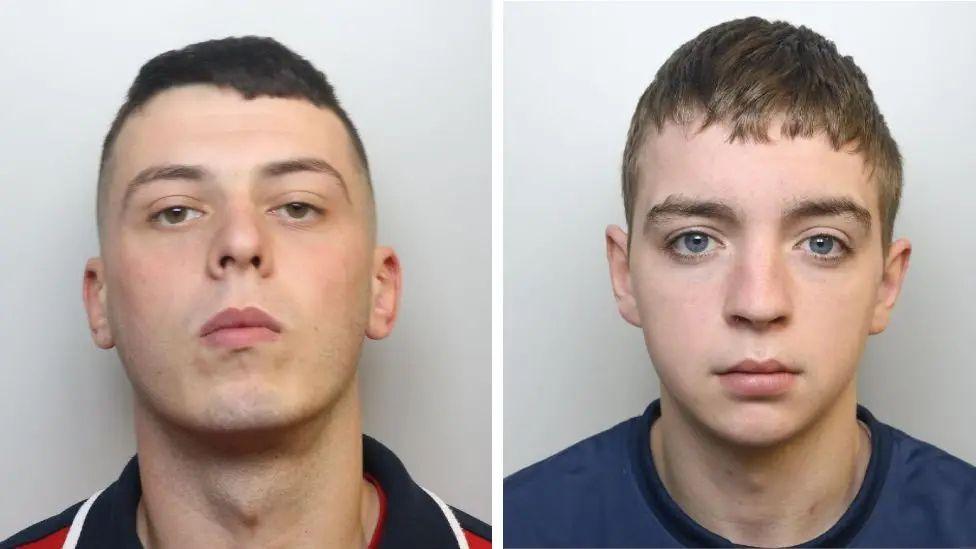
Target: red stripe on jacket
(51, 541)
(476, 542)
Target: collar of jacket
(415, 517)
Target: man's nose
(241, 242)
(759, 292)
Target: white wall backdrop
(573, 74)
(415, 78)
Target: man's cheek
(675, 306)
(839, 304)
(829, 331)
(677, 325)
(146, 273)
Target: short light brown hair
(744, 73)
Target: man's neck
(771, 497)
(304, 488)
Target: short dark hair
(745, 72)
(254, 66)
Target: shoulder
(49, 533)
(922, 470)
(477, 532)
(928, 498)
(561, 493)
(577, 465)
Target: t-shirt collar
(691, 534)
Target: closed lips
(759, 367)
(249, 317)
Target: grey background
(573, 74)
(415, 78)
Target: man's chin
(239, 414)
(755, 424)
(222, 419)
(243, 430)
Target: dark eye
(299, 210)
(174, 216)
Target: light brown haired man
(760, 185)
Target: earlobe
(618, 257)
(94, 296)
(892, 278)
(385, 298)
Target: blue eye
(821, 244)
(695, 242)
(825, 248)
(692, 244)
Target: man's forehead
(679, 159)
(689, 146)
(204, 103)
(203, 124)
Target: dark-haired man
(760, 185)
(238, 277)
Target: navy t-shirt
(605, 492)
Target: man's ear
(619, 260)
(895, 267)
(385, 299)
(93, 292)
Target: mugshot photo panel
(423, 112)
(573, 75)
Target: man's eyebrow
(304, 164)
(681, 206)
(676, 205)
(830, 207)
(162, 172)
(199, 173)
